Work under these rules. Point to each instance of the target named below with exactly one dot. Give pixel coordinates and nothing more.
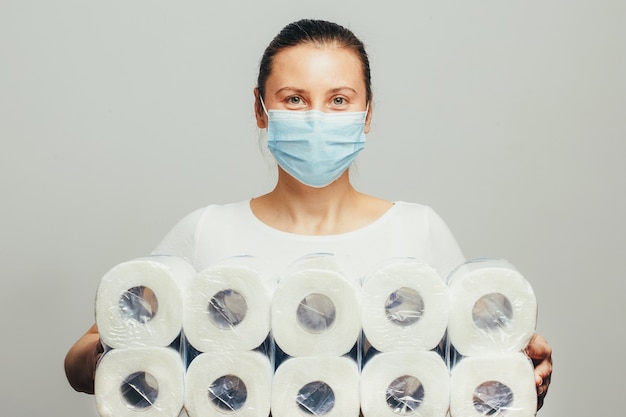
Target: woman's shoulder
(411, 206)
(217, 209)
(417, 216)
(399, 210)
(226, 212)
(181, 240)
(413, 210)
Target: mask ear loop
(263, 105)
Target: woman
(314, 98)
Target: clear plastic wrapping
(139, 303)
(404, 382)
(227, 321)
(493, 313)
(405, 313)
(317, 330)
(146, 380)
(315, 308)
(230, 382)
(316, 386)
(404, 306)
(316, 340)
(498, 384)
(492, 308)
(227, 306)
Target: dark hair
(317, 32)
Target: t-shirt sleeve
(445, 252)
(181, 240)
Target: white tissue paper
(227, 307)
(404, 305)
(315, 310)
(492, 308)
(140, 381)
(234, 384)
(498, 385)
(316, 386)
(139, 302)
(406, 383)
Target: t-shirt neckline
(256, 222)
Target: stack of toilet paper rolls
(405, 314)
(316, 327)
(139, 309)
(493, 313)
(235, 340)
(226, 321)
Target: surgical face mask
(312, 146)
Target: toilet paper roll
(492, 308)
(230, 383)
(139, 381)
(499, 385)
(317, 386)
(406, 383)
(227, 307)
(404, 305)
(316, 312)
(139, 302)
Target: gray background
(119, 117)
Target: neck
(297, 208)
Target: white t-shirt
(218, 232)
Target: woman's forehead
(316, 64)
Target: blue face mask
(315, 147)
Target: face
(310, 77)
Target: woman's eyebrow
(340, 89)
(290, 90)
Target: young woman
(314, 99)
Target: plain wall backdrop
(117, 118)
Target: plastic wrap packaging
(406, 383)
(139, 303)
(227, 306)
(316, 326)
(492, 318)
(492, 308)
(229, 383)
(404, 305)
(227, 322)
(316, 386)
(404, 311)
(493, 385)
(145, 381)
(318, 342)
(315, 308)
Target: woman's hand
(541, 354)
(81, 361)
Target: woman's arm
(81, 361)
(541, 354)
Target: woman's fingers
(540, 352)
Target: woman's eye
(338, 101)
(294, 100)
